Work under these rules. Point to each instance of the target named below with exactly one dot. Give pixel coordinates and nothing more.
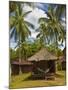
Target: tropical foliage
(51, 29)
(12, 54)
(26, 50)
(18, 26)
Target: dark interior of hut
(44, 67)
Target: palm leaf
(29, 24)
(12, 21)
(19, 8)
(38, 35)
(12, 33)
(25, 14)
(38, 29)
(16, 36)
(60, 10)
(49, 15)
(43, 19)
(29, 32)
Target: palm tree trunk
(20, 72)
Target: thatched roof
(43, 54)
(62, 58)
(23, 62)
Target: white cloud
(13, 45)
(34, 34)
(35, 15)
(33, 18)
(63, 18)
(26, 8)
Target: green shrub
(59, 66)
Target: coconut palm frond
(29, 24)
(43, 19)
(25, 14)
(12, 33)
(38, 35)
(12, 21)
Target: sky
(37, 12)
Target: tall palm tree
(19, 27)
(51, 28)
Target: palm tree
(19, 27)
(43, 33)
(51, 28)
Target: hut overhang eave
(23, 62)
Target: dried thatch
(62, 58)
(43, 54)
(23, 62)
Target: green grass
(21, 81)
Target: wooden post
(55, 67)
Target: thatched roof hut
(43, 54)
(43, 63)
(25, 66)
(43, 60)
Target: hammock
(39, 69)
